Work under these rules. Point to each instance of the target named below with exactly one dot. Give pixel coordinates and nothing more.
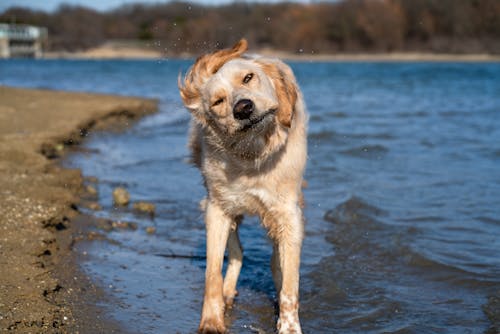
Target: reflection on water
(403, 227)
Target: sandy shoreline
(119, 51)
(41, 288)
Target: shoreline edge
(42, 288)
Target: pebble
(145, 207)
(91, 179)
(91, 190)
(95, 236)
(94, 206)
(124, 225)
(121, 196)
(104, 224)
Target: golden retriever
(248, 137)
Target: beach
(142, 50)
(41, 287)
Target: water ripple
(367, 151)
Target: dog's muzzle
(243, 109)
(257, 119)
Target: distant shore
(119, 51)
(42, 289)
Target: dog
(248, 138)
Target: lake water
(403, 200)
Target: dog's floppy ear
(285, 86)
(204, 67)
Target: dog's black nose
(243, 109)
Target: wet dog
(248, 137)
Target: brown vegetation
(451, 26)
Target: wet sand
(41, 288)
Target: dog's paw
(212, 326)
(288, 325)
(229, 301)
(229, 298)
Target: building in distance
(22, 41)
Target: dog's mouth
(253, 122)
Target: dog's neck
(248, 153)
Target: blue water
(403, 200)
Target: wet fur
(248, 169)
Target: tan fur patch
(204, 67)
(286, 90)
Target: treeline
(454, 26)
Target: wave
(353, 209)
(423, 219)
(329, 134)
(488, 220)
(338, 114)
(360, 232)
(412, 114)
(367, 151)
(492, 311)
(465, 113)
(324, 135)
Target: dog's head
(240, 98)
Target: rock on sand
(145, 207)
(121, 197)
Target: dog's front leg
(217, 226)
(235, 258)
(289, 242)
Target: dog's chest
(241, 198)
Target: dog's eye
(217, 102)
(247, 78)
